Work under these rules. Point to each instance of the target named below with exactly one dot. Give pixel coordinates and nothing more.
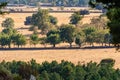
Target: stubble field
(76, 55)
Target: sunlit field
(75, 56)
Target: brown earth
(76, 55)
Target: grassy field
(82, 55)
(76, 55)
(63, 18)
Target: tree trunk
(79, 45)
(9, 45)
(54, 45)
(70, 45)
(102, 43)
(109, 44)
(18, 46)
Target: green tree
(43, 21)
(67, 70)
(44, 76)
(9, 31)
(53, 20)
(40, 18)
(55, 76)
(90, 33)
(113, 15)
(67, 34)
(79, 73)
(26, 70)
(75, 18)
(99, 23)
(53, 39)
(47, 27)
(80, 38)
(5, 74)
(34, 39)
(5, 40)
(107, 39)
(19, 40)
(99, 36)
(43, 41)
(17, 77)
(8, 23)
(2, 5)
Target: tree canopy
(2, 5)
(113, 15)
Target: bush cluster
(19, 70)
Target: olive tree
(19, 40)
(80, 38)
(8, 23)
(34, 39)
(53, 37)
(2, 5)
(67, 33)
(75, 18)
(113, 15)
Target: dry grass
(82, 55)
(49, 55)
(63, 18)
(19, 18)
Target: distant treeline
(69, 3)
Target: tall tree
(43, 21)
(53, 37)
(67, 34)
(80, 38)
(40, 18)
(34, 39)
(19, 40)
(90, 34)
(113, 15)
(5, 40)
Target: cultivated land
(63, 18)
(75, 56)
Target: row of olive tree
(70, 34)
(65, 33)
(10, 36)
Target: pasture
(74, 55)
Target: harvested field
(63, 18)
(76, 55)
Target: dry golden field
(76, 55)
(63, 18)
(82, 55)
